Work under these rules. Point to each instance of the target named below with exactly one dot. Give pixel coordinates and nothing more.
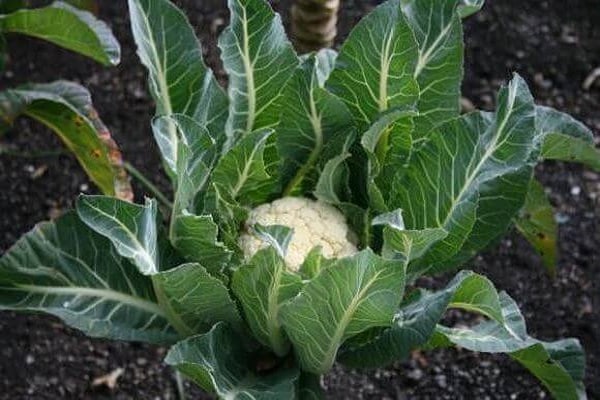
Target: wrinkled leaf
(65, 269)
(217, 362)
(566, 139)
(242, 174)
(470, 179)
(195, 299)
(350, 296)
(310, 118)
(261, 286)
(68, 27)
(438, 29)
(66, 108)
(375, 66)
(131, 228)
(180, 82)
(537, 224)
(196, 238)
(259, 60)
(416, 320)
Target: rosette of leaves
(66, 107)
(373, 130)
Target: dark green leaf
(332, 186)
(217, 362)
(179, 81)
(537, 224)
(195, 299)
(196, 238)
(470, 179)
(438, 29)
(310, 118)
(375, 67)
(66, 108)
(262, 286)
(131, 228)
(348, 297)
(242, 174)
(68, 27)
(259, 60)
(65, 269)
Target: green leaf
(196, 238)
(387, 143)
(310, 118)
(375, 67)
(564, 138)
(332, 185)
(415, 321)
(65, 269)
(310, 387)
(68, 27)
(536, 223)
(277, 236)
(466, 8)
(180, 82)
(259, 60)
(67, 109)
(131, 228)
(558, 365)
(261, 286)
(438, 29)
(9, 6)
(242, 174)
(470, 179)
(195, 299)
(348, 297)
(217, 362)
(400, 244)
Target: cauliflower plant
(314, 223)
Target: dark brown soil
(553, 44)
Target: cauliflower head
(314, 223)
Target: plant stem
(149, 185)
(180, 387)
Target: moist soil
(553, 44)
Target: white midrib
(272, 313)
(345, 320)
(163, 86)
(138, 249)
(489, 151)
(93, 292)
(424, 57)
(385, 71)
(249, 68)
(245, 173)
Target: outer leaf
(277, 236)
(471, 178)
(68, 27)
(216, 361)
(415, 322)
(259, 60)
(195, 299)
(243, 173)
(196, 238)
(350, 296)
(310, 118)
(262, 286)
(558, 365)
(375, 67)
(438, 29)
(179, 81)
(131, 228)
(332, 185)
(566, 139)
(65, 269)
(536, 222)
(66, 108)
(467, 8)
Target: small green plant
(66, 107)
(308, 199)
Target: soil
(553, 44)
